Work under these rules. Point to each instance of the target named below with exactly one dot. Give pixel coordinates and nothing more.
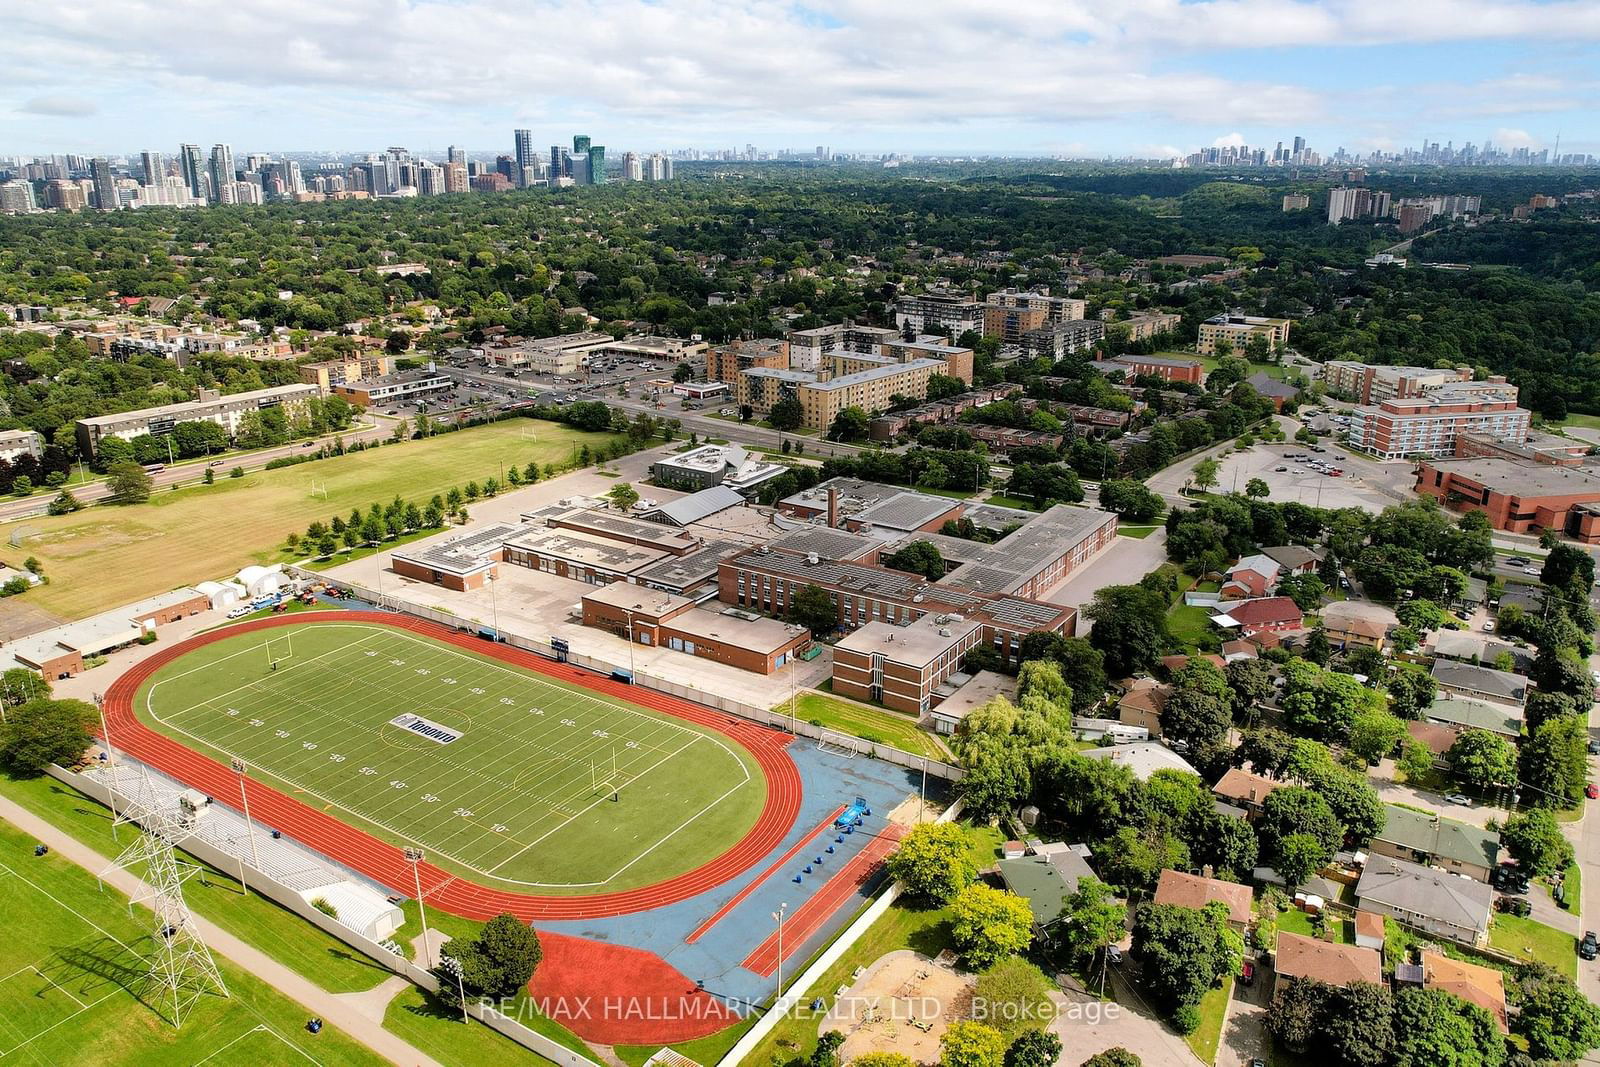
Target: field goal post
(603, 776)
(839, 744)
(279, 649)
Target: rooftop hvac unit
(944, 631)
(812, 559)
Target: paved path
(335, 1010)
(1087, 1026)
(1244, 1031)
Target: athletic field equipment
(839, 744)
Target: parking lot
(1364, 483)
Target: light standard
(453, 965)
(628, 612)
(111, 760)
(922, 794)
(494, 603)
(414, 857)
(778, 917)
(239, 768)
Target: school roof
(463, 555)
(697, 506)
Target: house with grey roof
(1437, 903)
(1460, 715)
(1045, 881)
(1457, 847)
(1480, 683)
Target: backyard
(107, 555)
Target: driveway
(1244, 1031)
(1391, 790)
(1088, 1026)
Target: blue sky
(1071, 77)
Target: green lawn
(1137, 531)
(1000, 500)
(1190, 626)
(1213, 1012)
(1211, 363)
(1295, 921)
(1590, 422)
(865, 722)
(521, 790)
(73, 952)
(1525, 939)
(1572, 881)
(421, 1019)
(113, 555)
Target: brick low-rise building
(1518, 497)
(903, 666)
(1429, 425)
(654, 618)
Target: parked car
(1592, 791)
(239, 612)
(1594, 748)
(1589, 947)
(1457, 798)
(1247, 973)
(1114, 953)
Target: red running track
(829, 898)
(385, 863)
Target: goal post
(279, 649)
(839, 744)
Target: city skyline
(1155, 79)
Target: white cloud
(59, 106)
(1230, 140)
(1509, 138)
(678, 71)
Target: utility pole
(778, 917)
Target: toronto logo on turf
(425, 728)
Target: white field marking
(259, 1028)
(524, 679)
(149, 697)
(58, 985)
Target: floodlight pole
(453, 965)
(779, 917)
(111, 760)
(239, 768)
(494, 603)
(629, 613)
(922, 795)
(414, 857)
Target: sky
(1147, 78)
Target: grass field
(868, 723)
(1213, 1012)
(71, 968)
(112, 555)
(1524, 939)
(521, 794)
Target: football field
(513, 777)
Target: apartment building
(871, 390)
(1010, 314)
(1356, 203)
(1428, 425)
(1149, 324)
(331, 372)
(225, 411)
(945, 311)
(1237, 331)
(394, 388)
(1296, 201)
(725, 363)
(14, 444)
(1372, 384)
(1058, 340)
(807, 347)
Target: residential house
(1143, 703)
(1435, 737)
(1045, 881)
(1472, 982)
(1300, 957)
(1355, 622)
(1480, 683)
(1437, 842)
(1143, 758)
(1193, 891)
(1461, 715)
(1245, 789)
(1444, 905)
(1467, 647)
(1294, 559)
(1273, 614)
(1254, 576)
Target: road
(188, 473)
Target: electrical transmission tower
(181, 970)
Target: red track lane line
(810, 916)
(385, 863)
(755, 883)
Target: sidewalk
(338, 1012)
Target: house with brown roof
(1173, 664)
(1273, 614)
(1294, 559)
(1143, 703)
(1369, 930)
(1473, 983)
(1253, 576)
(1193, 891)
(1245, 789)
(1353, 622)
(1436, 737)
(1341, 965)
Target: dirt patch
(902, 1003)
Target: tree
(65, 503)
(883, 1059)
(1205, 474)
(1295, 810)
(934, 862)
(682, 373)
(970, 1044)
(623, 496)
(1012, 996)
(498, 962)
(1251, 684)
(1297, 857)
(129, 483)
(1227, 844)
(1433, 1028)
(1536, 842)
(1416, 761)
(1200, 709)
(849, 425)
(1130, 628)
(1306, 590)
(1411, 692)
(1373, 735)
(1295, 1020)
(1184, 951)
(1040, 681)
(1569, 570)
(1359, 1025)
(45, 731)
(1130, 499)
(1481, 760)
(987, 925)
(826, 1054)
(1113, 1057)
(1034, 1048)
(1559, 1022)
(1257, 489)
(1091, 918)
(19, 685)
(813, 608)
(1421, 615)
(918, 557)
(787, 414)
(1555, 758)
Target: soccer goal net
(839, 744)
(279, 649)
